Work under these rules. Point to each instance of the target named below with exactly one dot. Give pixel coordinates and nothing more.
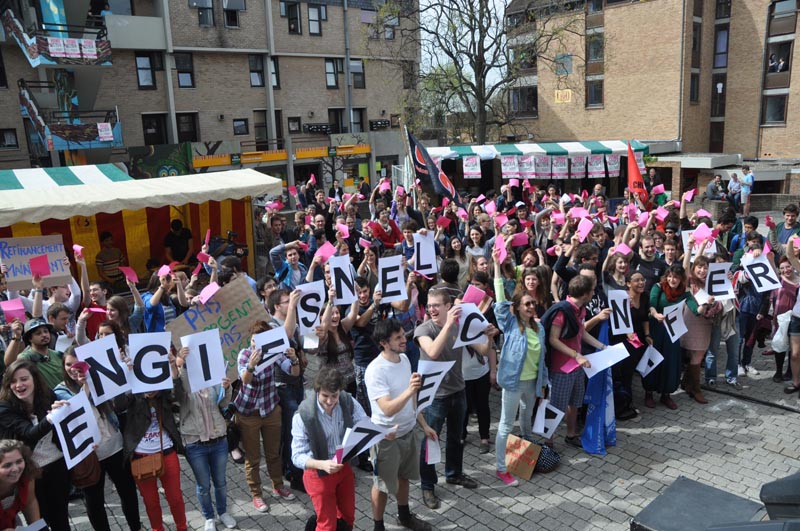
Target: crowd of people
(546, 284)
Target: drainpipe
(348, 81)
(682, 56)
(761, 93)
(268, 67)
(169, 60)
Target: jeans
(747, 323)
(290, 396)
(523, 399)
(451, 408)
(732, 363)
(207, 462)
(735, 200)
(477, 392)
(53, 489)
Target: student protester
(435, 338)
(36, 336)
(118, 311)
(753, 307)
(335, 348)
(18, 473)
(109, 452)
(794, 331)
(258, 416)
(780, 234)
(393, 406)
(290, 272)
(26, 403)
(725, 330)
(159, 310)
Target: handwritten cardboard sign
(16, 253)
(521, 456)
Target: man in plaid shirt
(258, 416)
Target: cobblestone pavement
(733, 444)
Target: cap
(34, 324)
(521, 204)
(671, 226)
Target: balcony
(136, 33)
(61, 129)
(59, 44)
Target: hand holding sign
(205, 364)
(76, 427)
(471, 326)
(432, 374)
(269, 346)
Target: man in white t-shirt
(392, 391)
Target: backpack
(571, 326)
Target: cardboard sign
(309, 306)
(425, 254)
(762, 275)
(342, 280)
(108, 375)
(390, 279)
(650, 360)
(673, 321)
(471, 326)
(273, 344)
(77, 429)
(621, 318)
(547, 419)
(16, 253)
(718, 285)
(521, 456)
(232, 311)
(205, 364)
(432, 372)
(150, 355)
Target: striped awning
(40, 178)
(493, 151)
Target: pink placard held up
(293, 190)
(480, 198)
(473, 295)
(500, 245)
(661, 213)
(658, 189)
(13, 309)
(703, 213)
(690, 194)
(501, 219)
(312, 180)
(445, 202)
(326, 251)
(613, 219)
(623, 249)
(130, 273)
(490, 208)
(96, 310)
(208, 236)
(78, 249)
(551, 251)
(401, 191)
(513, 183)
(702, 233)
(632, 211)
(364, 244)
(635, 341)
(584, 228)
(343, 229)
(644, 218)
(462, 213)
(203, 257)
(443, 222)
(557, 218)
(520, 239)
(40, 266)
(196, 270)
(208, 292)
(578, 213)
(164, 271)
(385, 185)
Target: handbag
(548, 460)
(150, 466)
(86, 473)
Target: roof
(488, 152)
(36, 194)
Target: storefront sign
(311, 152)
(207, 161)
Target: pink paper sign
(164, 271)
(326, 251)
(293, 190)
(203, 257)
(690, 194)
(702, 233)
(462, 213)
(473, 295)
(584, 228)
(500, 245)
(385, 186)
(551, 251)
(343, 229)
(78, 250)
(490, 208)
(445, 202)
(208, 236)
(623, 249)
(312, 180)
(96, 310)
(365, 244)
(558, 218)
(501, 219)
(480, 198)
(13, 309)
(661, 213)
(40, 266)
(703, 213)
(644, 218)
(130, 273)
(578, 212)
(513, 183)
(401, 191)
(443, 222)
(303, 246)
(659, 189)
(520, 239)
(208, 292)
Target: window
(336, 121)
(721, 46)
(241, 126)
(358, 119)
(409, 75)
(314, 25)
(697, 37)
(780, 56)
(784, 7)
(514, 20)
(774, 109)
(694, 88)
(3, 80)
(357, 73)
(389, 28)
(154, 127)
(295, 125)
(185, 67)
(208, 4)
(256, 70)
(594, 93)
(594, 48)
(231, 18)
(293, 14)
(145, 73)
(723, 8)
(716, 137)
(719, 88)
(524, 101)
(595, 6)
(274, 73)
(234, 5)
(206, 17)
(8, 139)
(282, 6)
(187, 127)
(332, 73)
(523, 59)
(563, 64)
(260, 128)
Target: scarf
(672, 294)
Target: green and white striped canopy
(488, 152)
(39, 178)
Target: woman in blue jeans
(522, 372)
(204, 430)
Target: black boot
(780, 357)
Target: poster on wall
(509, 166)
(560, 166)
(597, 167)
(104, 132)
(640, 161)
(472, 166)
(613, 165)
(577, 168)
(526, 169)
(89, 48)
(56, 46)
(72, 48)
(541, 165)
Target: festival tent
(80, 202)
(488, 152)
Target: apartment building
(289, 87)
(706, 83)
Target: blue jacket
(283, 271)
(154, 318)
(515, 349)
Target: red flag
(635, 181)
(427, 173)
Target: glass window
(388, 33)
(231, 18)
(331, 74)
(206, 17)
(357, 73)
(594, 93)
(774, 109)
(241, 126)
(295, 21)
(784, 7)
(185, 68)
(697, 37)
(721, 47)
(314, 25)
(234, 5)
(723, 8)
(594, 48)
(295, 125)
(144, 71)
(256, 70)
(336, 121)
(274, 73)
(209, 4)
(563, 64)
(260, 124)
(8, 139)
(719, 87)
(3, 80)
(187, 127)
(524, 100)
(358, 118)
(780, 55)
(595, 6)
(694, 88)
(282, 5)
(323, 12)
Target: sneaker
(751, 370)
(483, 448)
(414, 523)
(741, 371)
(260, 505)
(283, 492)
(463, 480)
(507, 478)
(777, 377)
(574, 441)
(227, 520)
(210, 525)
(734, 383)
(430, 499)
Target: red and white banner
(541, 165)
(472, 166)
(613, 165)
(577, 166)
(560, 166)
(72, 48)
(526, 169)
(597, 166)
(56, 46)
(89, 48)
(104, 132)
(509, 166)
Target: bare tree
(475, 50)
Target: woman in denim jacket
(522, 372)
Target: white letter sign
(342, 279)
(621, 319)
(77, 428)
(309, 306)
(149, 353)
(390, 279)
(108, 376)
(718, 285)
(433, 373)
(425, 254)
(673, 321)
(273, 344)
(471, 326)
(762, 275)
(205, 364)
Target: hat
(521, 204)
(671, 226)
(34, 324)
